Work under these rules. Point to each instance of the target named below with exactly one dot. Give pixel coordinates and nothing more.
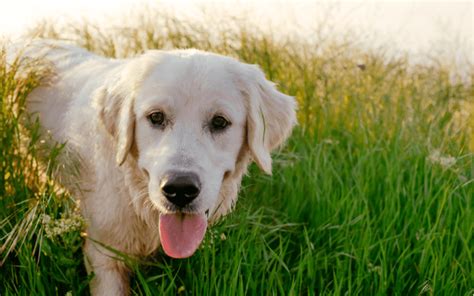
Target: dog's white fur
(99, 106)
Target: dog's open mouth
(181, 234)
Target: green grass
(372, 195)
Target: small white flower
(63, 225)
(375, 268)
(45, 219)
(330, 141)
(446, 162)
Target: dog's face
(191, 118)
(190, 126)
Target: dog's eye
(219, 123)
(157, 118)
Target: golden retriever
(163, 140)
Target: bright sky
(413, 26)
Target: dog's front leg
(111, 277)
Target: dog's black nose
(180, 188)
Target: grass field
(372, 195)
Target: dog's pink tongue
(181, 234)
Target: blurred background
(415, 27)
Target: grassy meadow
(372, 195)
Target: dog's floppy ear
(115, 103)
(271, 116)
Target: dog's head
(190, 121)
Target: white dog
(163, 140)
